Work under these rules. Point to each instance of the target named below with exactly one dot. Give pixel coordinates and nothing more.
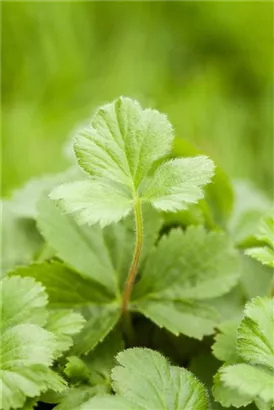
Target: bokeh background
(208, 65)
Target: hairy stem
(136, 256)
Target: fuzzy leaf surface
(119, 150)
(145, 380)
(256, 333)
(178, 183)
(192, 264)
(250, 380)
(27, 349)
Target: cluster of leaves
(69, 241)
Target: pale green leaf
(263, 254)
(193, 264)
(255, 341)
(178, 183)
(93, 201)
(256, 278)
(119, 151)
(83, 248)
(145, 378)
(24, 199)
(99, 255)
(20, 239)
(27, 350)
(64, 324)
(65, 287)
(101, 359)
(123, 141)
(76, 396)
(109, 402)
(23, 301)
(250, 206)
(249, 380)
(76, 370)
(224, 347)
(100, 321)
(193, 319)
(229, 396)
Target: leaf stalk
(136, 256)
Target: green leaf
(229, 396)
(256, 333)
(24, 199)
(249, 380)
(82, 248)
(65, 287)
(20, 239)
(100, 321)
(178, 182)
(64, 324)
(101, 359)
(76, 370)
(145, 380)
(119, 150)
(27, 350)
(191, 318)
(23, 301)
(192, 264)
(101, 256)
(224, 347)
(76, 396)
(93, 202)
(250, 206)
(109, 402)
(219, 197)
(265, 254)
(256, 278)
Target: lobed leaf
(256, 333)
(119, 151)
(190, 318)
(192, 264)
(144, 380)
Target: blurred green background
(208, 65)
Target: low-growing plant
(119, 273)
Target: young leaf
(118, 150)
(27, 350)
(145, 380)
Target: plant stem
(136, 256)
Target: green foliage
(118, 150)
(144, 379)
(247, 374)
(68, 266)
(265, 254)
(32, 338)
